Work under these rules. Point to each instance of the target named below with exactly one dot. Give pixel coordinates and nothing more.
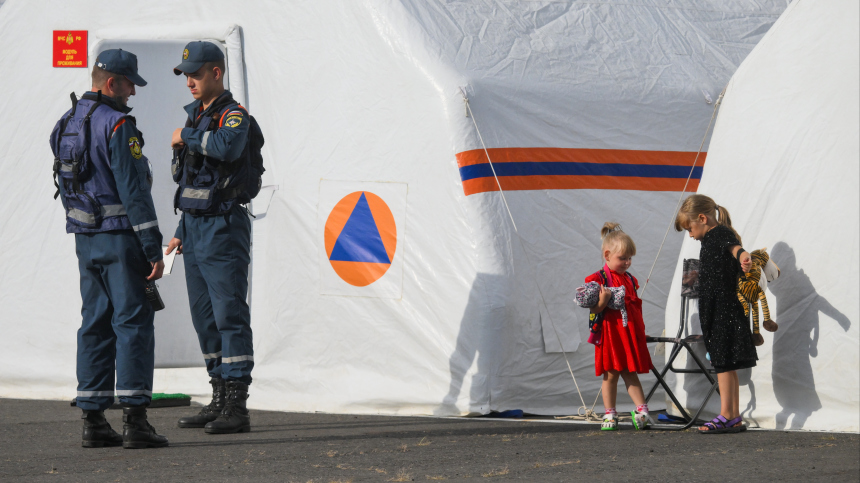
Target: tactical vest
(82, 171)
(210, 186)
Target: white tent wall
(337, 104)
(784, 161)
(369, 92)
(572, 75)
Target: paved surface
(40, 441)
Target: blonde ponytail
(615, 240)
(608, 228)
(696, 205)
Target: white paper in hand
(168, 260)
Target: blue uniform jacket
(225, 143)
(136, 195)
(132, 177)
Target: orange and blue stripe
(567, 168)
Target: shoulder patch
(234, 119)
(134, 147)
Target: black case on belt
(153, 296)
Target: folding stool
(689, 291)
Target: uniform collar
(107, 100)
(193, 109)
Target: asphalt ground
(40, 441)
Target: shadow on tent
(477, 339)
(796, 342)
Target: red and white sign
(70, 48)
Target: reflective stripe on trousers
(118, 392)
(95, 393)
(230, 360)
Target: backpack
(72, 160)
(254, 178)
(248, 178)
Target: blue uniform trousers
(117, 332)
(217, 252)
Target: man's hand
(157, 270)
(176, 141)
(746, 262)
(175, 244)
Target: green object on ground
(162, 400)
(161, 395)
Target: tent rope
(684, 190)
(583, 411)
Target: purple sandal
(720, 425)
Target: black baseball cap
(196, 54)
(122, 62)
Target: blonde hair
(615, 240)
(696, 205)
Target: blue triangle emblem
(359, 241)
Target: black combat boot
(137, 433)
(211, 410)
(97, 432)
(234, 418)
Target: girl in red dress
(621, 350)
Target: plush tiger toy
(751, 287)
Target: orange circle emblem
(360, 238)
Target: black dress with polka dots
(725, 328)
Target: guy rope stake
(583, 412)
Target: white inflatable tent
(591, 112)
(784, 160)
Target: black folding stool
(689, 290)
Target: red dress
(622, 348)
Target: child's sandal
(738, 423)
(720, 425)
(640, 420)
(610, 423)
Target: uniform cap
(121, 62)
(196, 54)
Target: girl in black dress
(725, 328)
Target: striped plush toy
(751, 288)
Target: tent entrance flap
(158, 110)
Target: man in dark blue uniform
(211, 163)
(104, 182)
